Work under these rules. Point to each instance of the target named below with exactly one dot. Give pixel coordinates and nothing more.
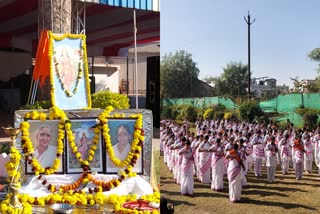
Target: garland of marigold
(81, 198)
(74, 148)
(85, 62)
(12, 167)
(95, 141)
(136, 144)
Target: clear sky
(215, 33)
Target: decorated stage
(72, 154)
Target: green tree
(233, 80)
(315, 56)
(177, 72)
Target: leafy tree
(177, 72)
(233, 80)
(315, 56)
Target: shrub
(218, 107)
(218, 115)
(310, 120)
(303, 111)
(189, 113)
(102, 99)
(231, 116)
(249, 110)
(166, 112)
(43, 104)
(310, 116)
(200, 112)
(208, 114)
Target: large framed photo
(121, 134)
(69, 67)
(44, 135)
(83, 132)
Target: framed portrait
(69, 67)
(83, 132)
(44, 135)
(121, 134)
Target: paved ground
(156, 139)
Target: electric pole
(249, 73)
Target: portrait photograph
(121, 134)
(83, 132)
(68, 73)
(44, 135)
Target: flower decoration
(72, 193)
(136, 144)
(82, 64)
(74, 147)
(80, 198)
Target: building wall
(106, 79)
(142, 71)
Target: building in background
(267, 88)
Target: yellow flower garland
(138, 137)
(65, 124)
(11, 166)
(76, 197)
(80, 198)
(85, 63)
(74, 148)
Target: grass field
(286, 195)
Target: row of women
(221, 148)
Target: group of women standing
(220, 148)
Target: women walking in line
(271, 163)
(205, 161)
(217, 166)
(299, 155)
(258, 152)
(284, 154)
(187, 181)
(234, 174)
(308, 155)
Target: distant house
(264, 88)
(282, 89)
(267, 88)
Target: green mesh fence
(294, 118)
(311, 100)
(289, 102)
(269, 105)
(283, 103)
(204, 102)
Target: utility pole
(249, 73)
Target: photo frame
(123, 129)
(44, 135)
(70, 85)
(83, 132)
